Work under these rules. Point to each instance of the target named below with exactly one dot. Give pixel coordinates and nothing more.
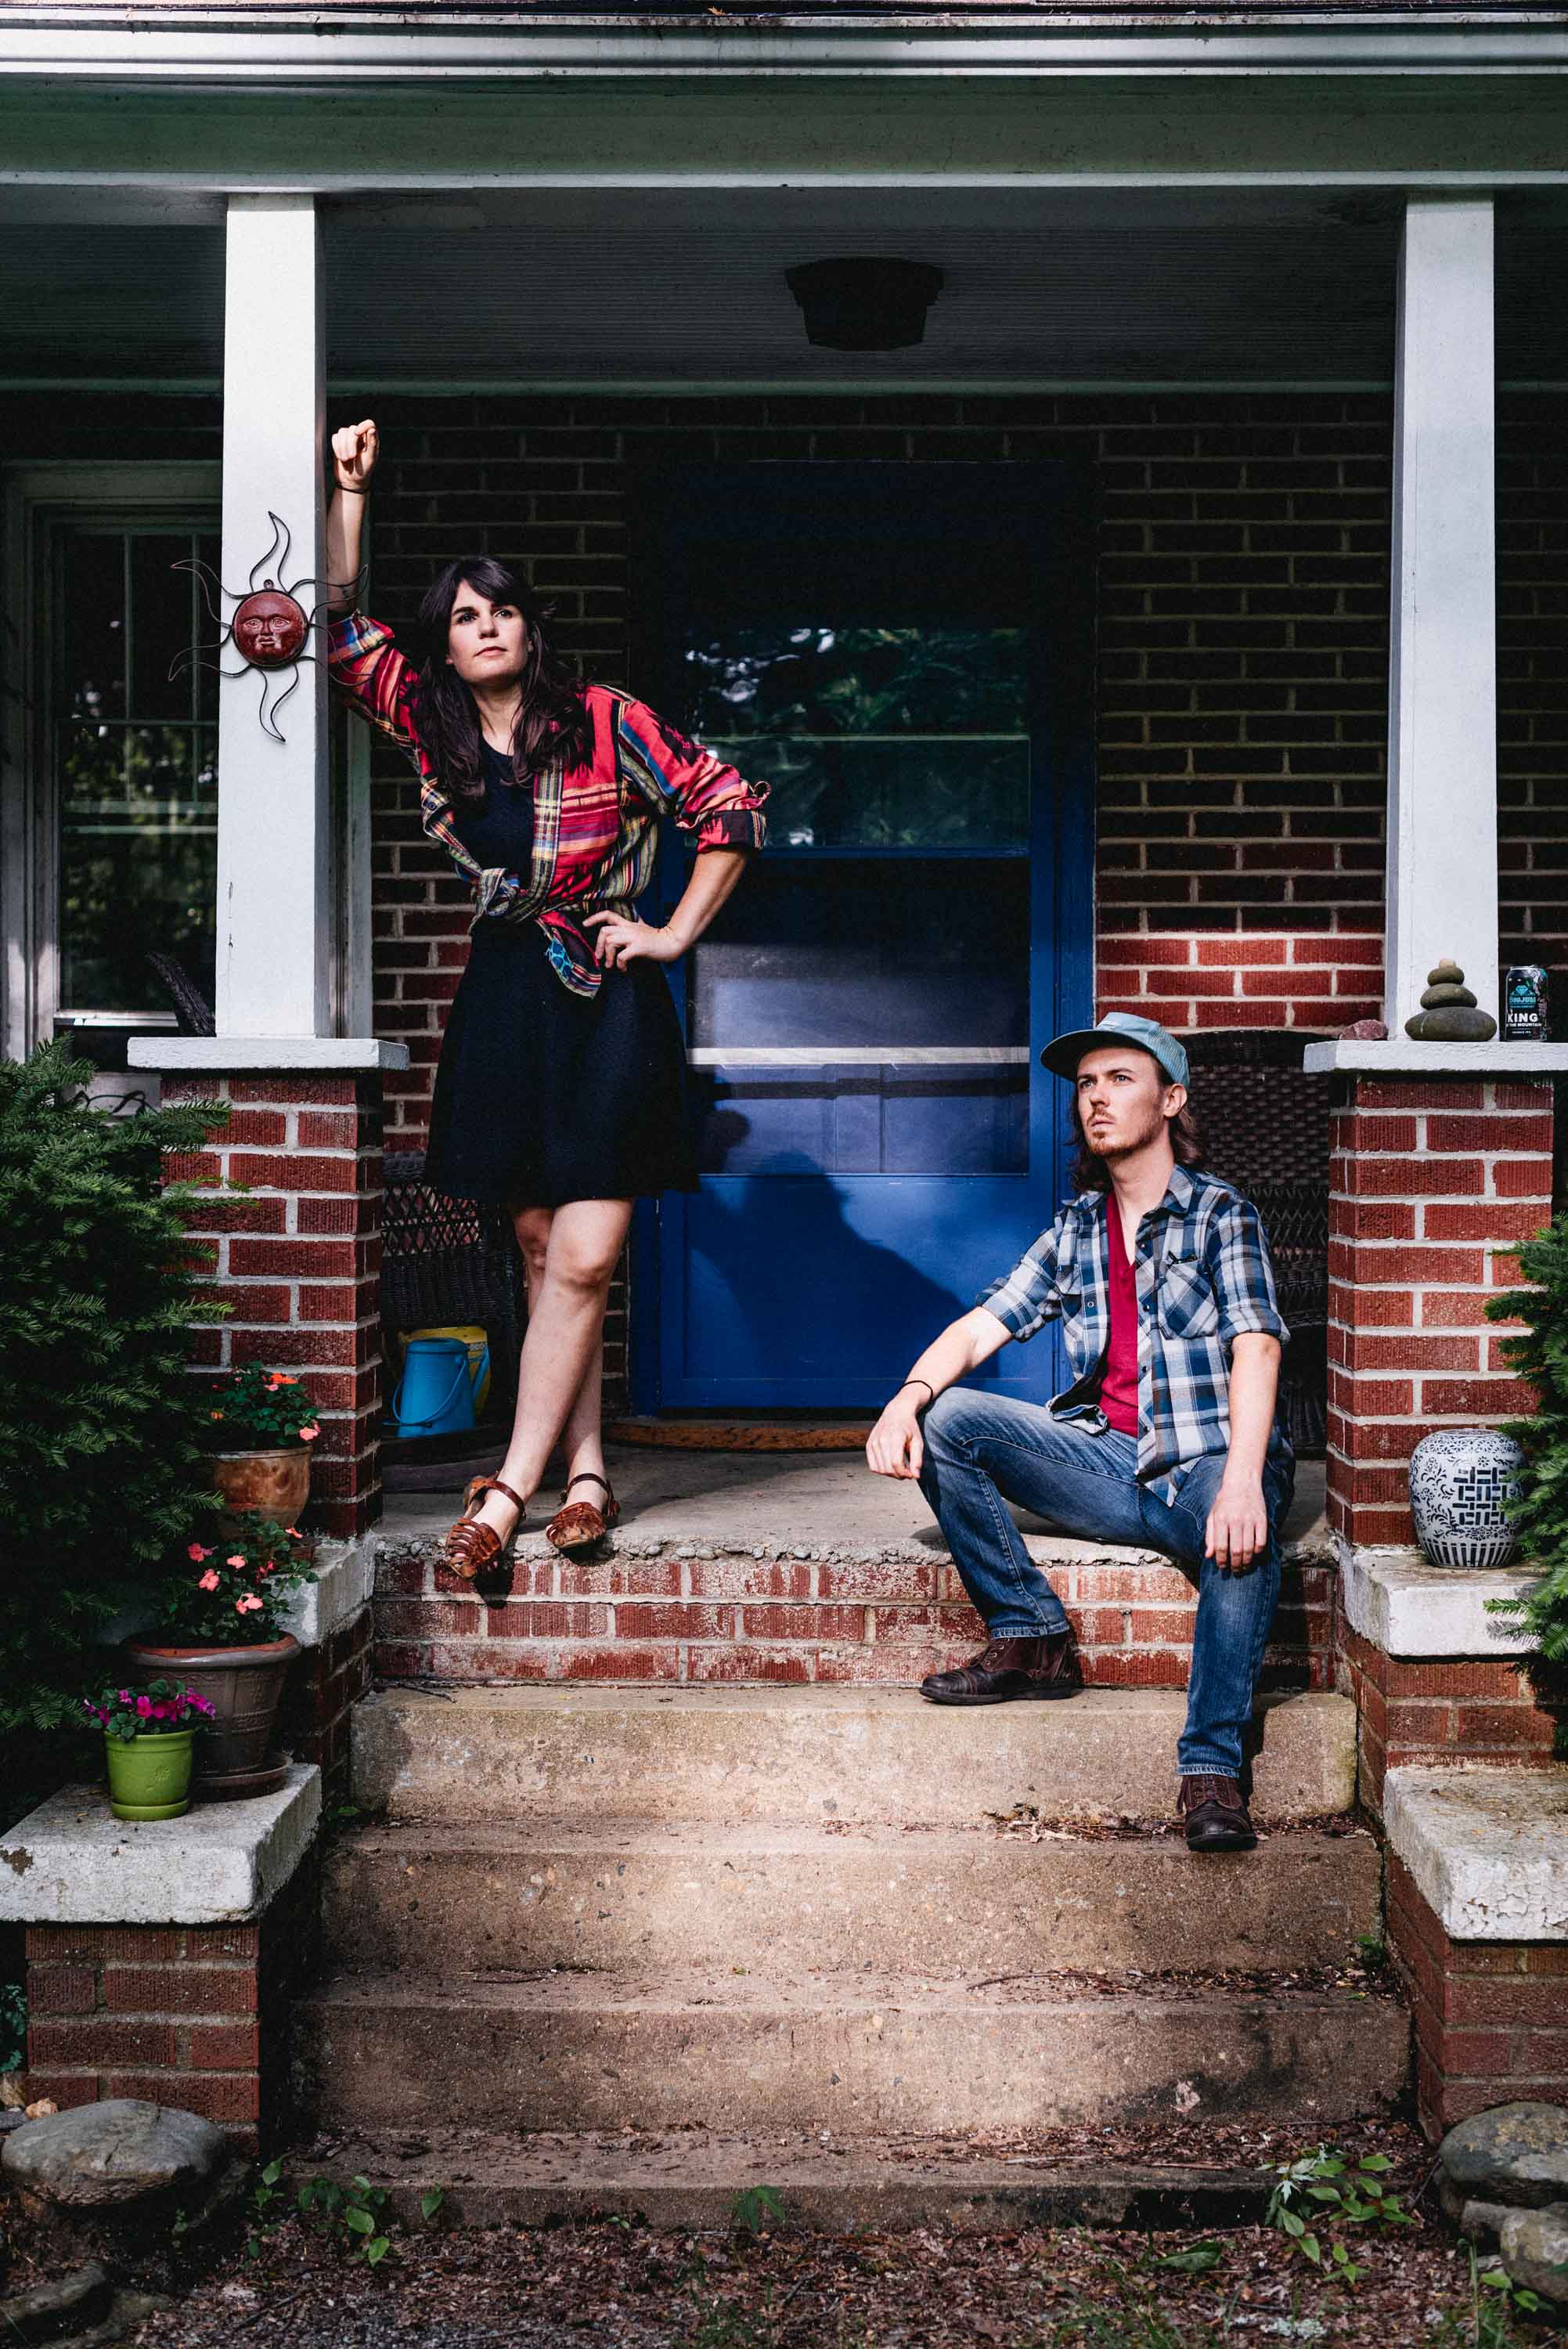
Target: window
(110, 792)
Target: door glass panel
(888, 927)
(135, 766)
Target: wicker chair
(448, 1261)
(1265, 1129)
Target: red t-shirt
(1118, 1384)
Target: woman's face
(486, 642)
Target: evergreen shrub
(1539, 1352)
(101, 1466)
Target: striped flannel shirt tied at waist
(1202, 1270)
(594, 824)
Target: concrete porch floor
(806, 1501)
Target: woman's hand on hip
(620, 941)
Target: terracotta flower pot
(264, 1484)
(241, 1684)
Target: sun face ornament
(269, 627)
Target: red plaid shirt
(593, 838)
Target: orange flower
(209, 1581)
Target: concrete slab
(794, 1755)
(1488, 1848)
(72, 1862)
(1408, 1607)
(692, 2178)
(860, 2052)
(345, 1580)
(486, 1899)
(803, 1505)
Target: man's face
(1124, 1100)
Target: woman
(562, 1084)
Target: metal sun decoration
(269, 626)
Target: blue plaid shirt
(1204, 1277)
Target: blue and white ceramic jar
(1463, 1480)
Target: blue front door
(905, 654)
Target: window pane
(816, 679)
(92, 624)
(918, 793)
(884, 1120)
(207, 548)
(138, 845)
(160, 625)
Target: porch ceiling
(501, 287)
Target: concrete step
(692, 2180)
(800, 1754)
(853, 2053)
(475, 1899)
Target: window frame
(37, 496)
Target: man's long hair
(1091, 1172)
(553, 719)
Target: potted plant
(221, 1629)
(147, 1741)
(261, 1425)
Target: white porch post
(1442, 685)
(275, 909)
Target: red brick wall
(1432, 1182)
(323, 1687)
(1532, 683)
(297, 1254)
(1490, 2017)
(192, 2015)
(1433, 1710)
(738, 1618)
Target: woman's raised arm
(355, 449)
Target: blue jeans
(981, 1449)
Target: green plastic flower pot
(149, 1777)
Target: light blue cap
(1062, 1055)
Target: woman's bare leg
(581, 1439)
(565, 1328)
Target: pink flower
(238, 1560)
(247, 1605)
(198, 1553)
(144, 1706)
(209, 1581)
(308, 1435)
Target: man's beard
(1110, 1153)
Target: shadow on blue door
(905, 654)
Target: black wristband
(930, 1390)
(349, 492)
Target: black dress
(543, 1096)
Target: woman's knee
(532, 1225)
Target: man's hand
(1238, 1526)
(894, 1447)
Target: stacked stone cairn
(1449, 1013)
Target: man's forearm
(1254, 1386)
(961, 1348)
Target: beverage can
(1524, 1005)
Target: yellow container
(476, 1342)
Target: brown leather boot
(1006, 1669)
(1215, 1815)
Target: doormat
(737, 1435)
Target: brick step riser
(423, 1759)
(1006, 1905)
(1094, 2064)
(734, 1616)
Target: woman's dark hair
(552, 720)
(1091, 1172)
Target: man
(1159, 1275)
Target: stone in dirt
(124, 2151)
(1535, 2250)
(1514, 2154)
(42, 2312)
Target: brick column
(1434, 1179)
(297, 1245)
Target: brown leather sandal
(471, 1547)
(580, 1524)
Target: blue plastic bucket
(436, 1393)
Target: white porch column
(1442, 685)
(275, 910)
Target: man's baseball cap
(1062, 1055)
